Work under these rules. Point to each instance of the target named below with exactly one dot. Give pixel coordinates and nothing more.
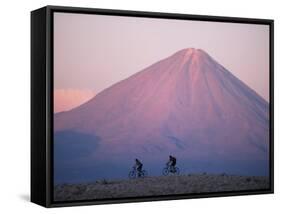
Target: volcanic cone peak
(194, 59)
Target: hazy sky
(92, 52)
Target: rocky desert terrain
(161, 185)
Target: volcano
(186, 105)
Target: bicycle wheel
(165, 171)
(143, 173)
(132, 174)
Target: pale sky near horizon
(92, 52)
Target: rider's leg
(173, 168)
(139, 171)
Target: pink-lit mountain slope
(187, 105)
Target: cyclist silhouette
(138, 166)
(172, 163)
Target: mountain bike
(134, 173)
(171, 170)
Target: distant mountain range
(186, 105)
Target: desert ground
(161, 185)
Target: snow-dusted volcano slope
(186, 105)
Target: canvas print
(154, 107)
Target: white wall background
(15, 105)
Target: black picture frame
(42, 103)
